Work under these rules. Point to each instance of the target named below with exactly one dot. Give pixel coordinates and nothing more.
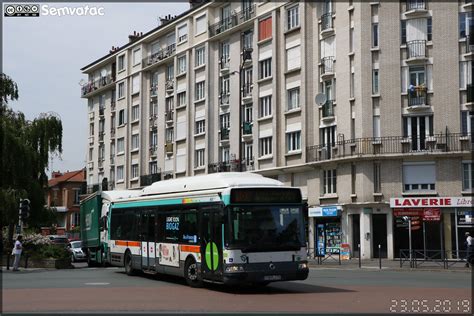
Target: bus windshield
(266, 228)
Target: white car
(75, 247)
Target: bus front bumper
(265, 272)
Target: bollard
(8, 261)
(360, 255)
(26, 261)
(339, 256)
(380, 258)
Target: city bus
(227, 228)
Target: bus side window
(189, 227)
(161, 223)
(116, 224)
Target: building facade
(355, 102)
(64, 190)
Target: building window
(419, 177)
(403, 31)
(135, 84)
(201, 24)
(200, 91)
(376, 117)
(76, 219)
(170, 71)
(293, 17)
(224, 52)
(77, 194)
(293, 98)
(153, 108)
(467, 176)
(135, 171)
(199, 161)
(121, 117)
(224, 85)
(247, 39)
(353, 178)
(169, 134)
(429, 29)
(225, 154)
(135, 112)
(375, 35)
(293, 141)
(293, 58)
(466, 23)
(377, 178)
(248, 113)
(248, 154)
(121, 90)
(120, 145)
(225, 121)
(265, 146)
(375, 81)
(265, 106)
(153, 167)
(91, 129)
(121, 62)
(135, 144)
(329, 181)
(119, 173)
(181, 64)
(200, 127)
(182, 33)
(265, 29)
(200, 56)
(153, 138)
(181, 98)
(265, 68)
(169, 104)
(351, 40)
(137, 56)
(467, 122)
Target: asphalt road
(325, 291)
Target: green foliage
(25, 148)
(47, 251)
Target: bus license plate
(272, 277)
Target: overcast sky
(44, 56)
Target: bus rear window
(265, 195)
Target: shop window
(419, 177)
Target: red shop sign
(400, 212)
(431, 214)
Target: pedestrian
(17, 252)
(469, 247)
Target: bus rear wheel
(191, 274)
(128, 264)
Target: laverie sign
(431, 202)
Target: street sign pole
(409, 242)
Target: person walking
(17, 249)
(470, 248)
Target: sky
(44, 55)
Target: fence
(441, 258)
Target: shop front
(437, 225)
(327, 229)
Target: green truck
(93, 229)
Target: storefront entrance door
(379, 231)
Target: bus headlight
(234, 268)
(302, 266)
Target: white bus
(228, 228)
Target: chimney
(56, 174)
(133, 37)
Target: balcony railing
(416, 49)
(390, 145)
(234, 165)
(161, 54)
(169, 85)
(417, 96)
(247, 128)
(224, 99)
(327, 65)
(416, 5)
(169, 116)
(469, 44)
(101, 110)
(326, 21)
(224, 63)
(153, 150)
(149, 179)
(101, 136)
(247, 90)
(328, 109)
(235, 19)
(224, 133)
(153, 90)
(91, 86)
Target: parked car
(59, 240)
(75, 247)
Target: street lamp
(408, 219)
(246, 55)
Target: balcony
(154, 91)
(224, 134)
(327, 27)
(327, 67)
(169, 117)
(169, 147)
(101, 111)
(469, 49)
(153, 150)
(415, 8)
(153, 122)
(230, 166)
(224, 99)
(247, 131)
(247, 92)
(169, 86)
(390, 146)
(416, 51)
(161, 55)
(327, 111)
(470, 93)
(417, 97)
(237, 18)
(224, 64)
(101, 136)
(96, 86)
(112, 160)
(149, 179)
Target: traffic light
(24, 209)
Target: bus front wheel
(191, 274)
(128, 264)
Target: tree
(25, 148)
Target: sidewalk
(387, 264)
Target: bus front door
(148, 240)
(211, 244)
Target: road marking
(97, 283)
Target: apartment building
(366, 106)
